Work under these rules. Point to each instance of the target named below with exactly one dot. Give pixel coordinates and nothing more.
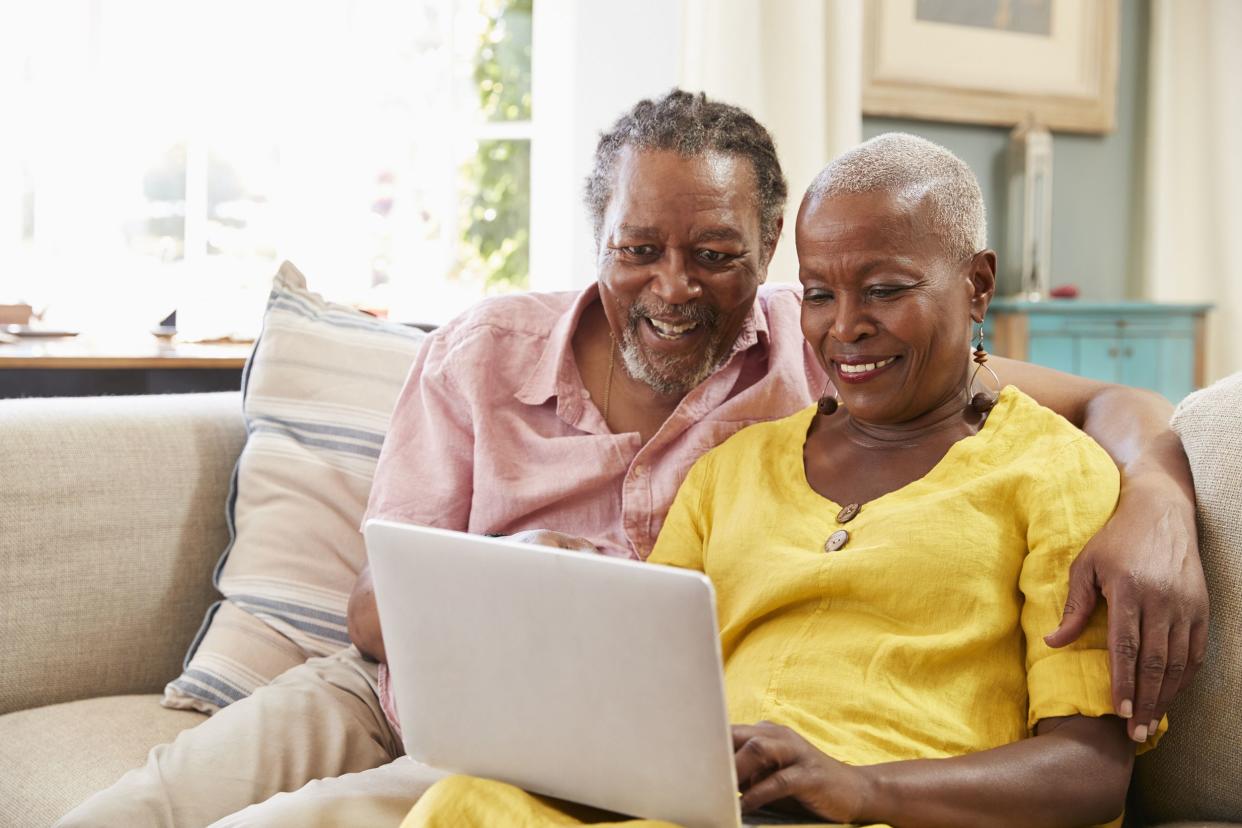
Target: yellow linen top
(921, 637)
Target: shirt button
(836, 540)
(848, 513)
(638, 471)
(586, 395)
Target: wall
(1096, 209)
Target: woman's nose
(851, 321)
(671, 282)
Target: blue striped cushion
(318, 392)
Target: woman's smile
(858, 369)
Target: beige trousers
(312, 748)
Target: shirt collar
(555, 371)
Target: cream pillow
(317, 395)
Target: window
(169, 154)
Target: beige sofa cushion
(317, 394)
(1196, 773)
(55, 757)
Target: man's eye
(639, 250)
(713, 256)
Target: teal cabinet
(1143, 344)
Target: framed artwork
(998, 62)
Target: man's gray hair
(914, 167)
(691, 125)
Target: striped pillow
(317, 395)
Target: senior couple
(908, 573)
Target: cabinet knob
(1127, 352)
(1113, 352)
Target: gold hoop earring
(982, 401)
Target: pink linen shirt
(494, 431)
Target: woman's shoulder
(1041, 435)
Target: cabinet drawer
(1108, 325)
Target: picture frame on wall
(1000, 62)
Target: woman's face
(885, 306)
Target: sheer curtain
(1193, 210)
(796, 65)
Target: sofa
(112, 518)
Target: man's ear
(769, 250)
(982, 282)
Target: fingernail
(1140, 733)
(1126, 710)
(1152, 727)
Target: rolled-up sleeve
(1066, 506)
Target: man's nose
(671, 282)
(851, 321)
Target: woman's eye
(883, 292)
(817, 297)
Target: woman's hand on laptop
(557, 540)
(777, 766)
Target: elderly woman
(887, 562)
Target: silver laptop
(571, 675)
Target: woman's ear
(982, 282)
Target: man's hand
(363, 618)
(557, 540)
(776, 765)
(1145, 562)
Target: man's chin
(666, 376)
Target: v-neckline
(981, 437)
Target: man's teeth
(865, 367)
(672, 330)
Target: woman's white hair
(916, 168)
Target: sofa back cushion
(1196, 773)
(317, 395)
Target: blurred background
(413, 156)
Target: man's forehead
(721, 171)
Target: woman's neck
(953, 416)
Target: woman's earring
(982, 401)
(828, 403)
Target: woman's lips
(859, 371)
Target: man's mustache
(703, 314)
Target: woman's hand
(776, 765)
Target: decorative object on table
(993, 61)
(1028, 232)
(1064, 292)
(35, 331)
(16, 314)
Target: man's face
(885, 305)
(680, 261)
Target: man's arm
(1145, 561)
(425, 469)
(1074, 771)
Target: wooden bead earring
(982, 401)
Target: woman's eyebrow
(902, 263)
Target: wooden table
(87, 365)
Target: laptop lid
(577, 676)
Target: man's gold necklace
(612, 349)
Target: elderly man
(573, 419)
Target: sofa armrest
(112, 516)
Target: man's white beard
(669, 379)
